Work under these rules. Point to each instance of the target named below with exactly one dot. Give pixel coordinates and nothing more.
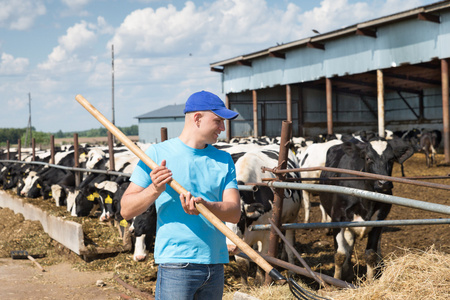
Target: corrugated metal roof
(175, 110)
(321, 38)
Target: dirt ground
(21, 279)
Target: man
(190, 251)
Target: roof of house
(174, 110)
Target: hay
(414, 275)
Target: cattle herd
(99, 193)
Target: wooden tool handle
(37, 264)
(176, 186)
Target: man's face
(211, 126)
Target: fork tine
(301, 293)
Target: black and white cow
(376, 156)
(140, 231)
(143, 231)
(315, 155)
(429, 141)
(256, 207)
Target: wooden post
(33, 149)
(255, 113)
(7, 150)
(380, 93)
(445, 109)
(328, 87)
(52, 149)
(112, 165)
(19, 150)
(288, 102)
(277, 208)
(163, 134)
(227, 122)
(76, 161)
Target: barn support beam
(255, 113)
(380, 101)
(445, 109)
(328, 87)
(227, 122)
(288, 102)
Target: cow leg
(373, 255)
(325, 219)
(260, 275)
(306, 200)
(344, 242)
(433, 155)
(140, 249)
(243, 268)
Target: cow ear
(403, 153)
(402, 150)
(254, 210)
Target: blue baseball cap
(203, 100)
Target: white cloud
(20, 14)
(75, 4)
(73, 49)
(161, 31)
(10, 65)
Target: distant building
(150, 124)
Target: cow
(256, 207)
(376, 156)
(429, 141)
(84, 199)
(141, 229)
(314, 156)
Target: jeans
(186, 281)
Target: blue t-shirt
(206, 173)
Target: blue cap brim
(225, 113)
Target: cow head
(106, 190)
(376, 156)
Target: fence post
(19, 147)
(7, 150)
(277, 208)
(112, 164)
(52, 149)
(33, 149)
(76, 161)
(163, 134)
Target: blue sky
(56, 49)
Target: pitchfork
(295, 288)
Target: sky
(53, 50)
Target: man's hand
(188, 203)
(160, 176)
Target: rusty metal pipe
(368, 175)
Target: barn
(150, 124)
(386, 73)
